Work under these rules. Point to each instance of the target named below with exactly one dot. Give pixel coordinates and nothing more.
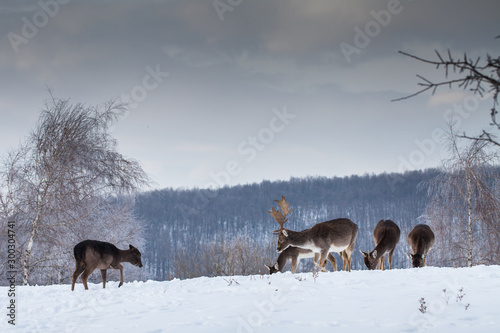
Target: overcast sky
(236, 91)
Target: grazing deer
(420, 240)
(386, 236)
(295, 254)
(331, 236)
(92, 254)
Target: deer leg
(348, 260)
(322, 259)
(78, 270)
(333, 261)
(85, 276)
(103, 276)
(390, 258)
(349, 251)
(120, 267)
(323, 267)
(344, 259)
(295, 262)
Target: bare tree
(465, 205)
(225, 257)
(481, 77)
(61, 177)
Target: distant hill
(177, 218)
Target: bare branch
(479, 77)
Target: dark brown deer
(295, 254)
(331, 236)
(386, 236)
(420, 239)
(92, 254)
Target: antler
(280, 217)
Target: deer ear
(285, 233)
(423, 256)
(374, 254)
(410, 255)
(276, 266)
(364, 253)
(131, 247)
(268, 267)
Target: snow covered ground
(360, 301)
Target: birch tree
(465, 205)
(61, 176)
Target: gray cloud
(226, 77)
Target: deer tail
(79, 252)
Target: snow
(359, 301)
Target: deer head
(370, 259)
(273, 269)
(280, 217)
(417, 260)
(134, 256)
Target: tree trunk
(470, 221)
(27, 255)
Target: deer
(420, 239)
(386, 236)
(92, 254)
(295, 254)
(330, 236)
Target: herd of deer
(339, 236)
(317, 242)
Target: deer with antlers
(337, 235)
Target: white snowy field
(360, 301)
